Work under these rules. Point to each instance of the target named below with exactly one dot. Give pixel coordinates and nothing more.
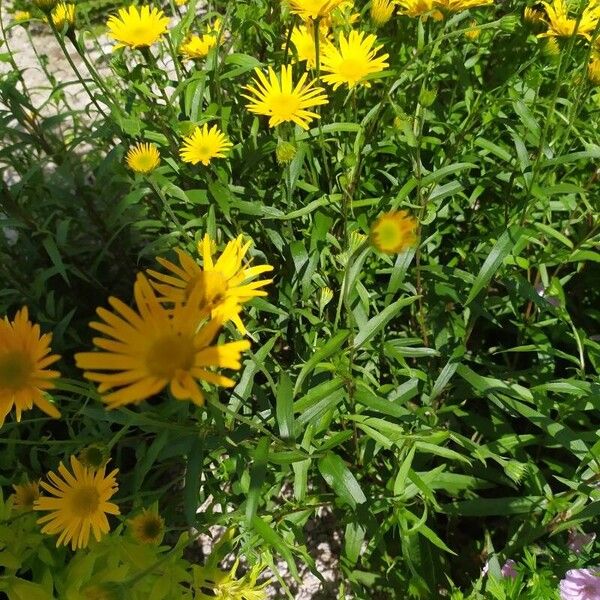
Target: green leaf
(499, 252)
(193, 473)
(341, 480)
(271, 537)
(284, 407)
(257, 477)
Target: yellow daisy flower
(354, 61)
(303, 41)
(148, 527)
(143, 158)
(313, 9)
(454, 6)
(278, 98)
(223, 284)
(78, 504)
(21, 15)
(394, 232)
(534, 16)
(594, 71)
(381, 11)
(137, 27)
(419, 8)
(215, 584)
(474, 32)
(197, 46)
(63, 14)
(146, 350)
(204, 144)
(24, 358)
(560, 24)
(25, 495)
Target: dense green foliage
(442, 409)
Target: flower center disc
(170, 354)
(152, 528)
(284, 106)
(85, 501)
(15, 370)
(213, 287)
(353, 69)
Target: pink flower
(509, 569)
(581, 584)
(578, 540)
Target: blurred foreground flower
(280, 100)
(25, 495)
(155, 347)
(24, 358)
(21, 15)
(79, 504)
(509, 569)
(204, 144)
(593, 71)
(581, 584)
(578, 540)
(454, 6)
(354, 61)
(45, 5)
(137, 27)
(219, 286)
(143, 158)
(394, 232)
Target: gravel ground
(32, 47)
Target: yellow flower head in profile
(196, 46)
(560, 24)
(24, 358)
(137, 27)
(21, 15)
(45, 5)
(419, 8)
(204, 144)
(381, 11)
(143, 158)
(454, 6)
(394, 232)
(593, 71)
(25, 495)
(303, 40)
(78, 504)
(221, 285)
(148, 349)
(148, 527)
(281, 100)
(215, 584)
(63, 14)
(313, 9)
(534, 16)
(354, 61)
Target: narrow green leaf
(341, 480)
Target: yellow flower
(24, 358)
(285, 152)
(534, 16)
(181, 2)
(560, 24)
(453, 6)
(63, 14)
(313, 9)
(381, 11)
(594, 71)
(303, 40)
(221, 285)
(137, 27)
(25, 495)
(197, 46)
(154, 347)
(148, 527)
(21, 15)
(394, 232)
(78, 504)
(474, 32)
(204, 144)
(419, 8)
(215, 584)
(280, 100)
(143, 158)
(354, 62)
